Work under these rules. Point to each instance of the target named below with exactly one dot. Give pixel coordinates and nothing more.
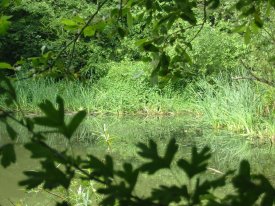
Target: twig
(11, 202)
(255, 77)
(269, 34)
(242, 78)
(215, 170)
(54, 194)
(202, 25)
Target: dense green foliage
(176, 44)
(203, 53)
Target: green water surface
(124, 133)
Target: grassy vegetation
(125, 89)
(242, 106)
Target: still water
(124, 133)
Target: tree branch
(254, 77)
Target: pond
(124, 133)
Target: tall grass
(125, 89)
(242, 106)
(236, 105)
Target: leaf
(165, 195)
(89, 31)
(54, 117)
(164, 64)
(251, 187)
(64, 203)
(47, 122)
(149, 4)
(240, 28)
(205, 188)
(99, 168)
(61, 110)
(69, 22)
(247, 36)
(74, 123)
(271, 59)
(4, 65)
(4, 3)
(198, 163)
(141, 42)
(29, 124)
(39, 151)
(4, 24)
(99, 26)
(258, 21)
(122, 32)
(8, 155)
(213, 4)
(51, 177)
(171, 150)
(240, 4)
(251, 10)
(189, 17)
(170, 18)
(129, 175)
(12, 133)
(185, 58)
(130, 20)
(7, 88)
(150, 47)
(156, 161)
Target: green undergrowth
(243, 106)
(125, 89)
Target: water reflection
(124, 133)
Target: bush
(215, 51)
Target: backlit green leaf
(89, 31)
(4, 65)
(4, 24)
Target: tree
(171, 27)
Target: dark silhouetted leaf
(50, 176)
(122, 32)
(198, 163)
(213, 4)
(99, 168)
(12, 133)
(150, 48)
(74, 123)
(8, 155)
(129, 175)
(63, 204)
(157, 162)
(166, 195)
(40, 151)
